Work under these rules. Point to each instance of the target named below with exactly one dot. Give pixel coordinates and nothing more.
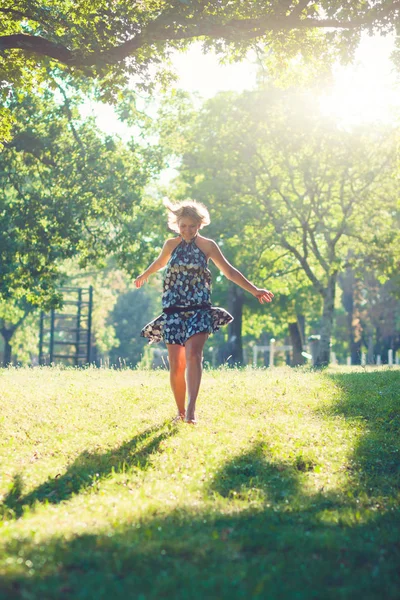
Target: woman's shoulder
(172, 243)
(169, 246)
(204, 239)
(205, 244)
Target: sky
(366, 91)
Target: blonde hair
(187, 208)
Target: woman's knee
(194, 355)
(177, 364)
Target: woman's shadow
(88, 470)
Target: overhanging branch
(160, 30)
(38, 45)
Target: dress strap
(190, 241)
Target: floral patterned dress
(186, 299)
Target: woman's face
(188, 228)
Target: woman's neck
(189, 240)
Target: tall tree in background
(12, 316)
(314, 191)
(112, 43)
(372, 313)
(67, 191)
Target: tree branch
(273, 185)
(19, 14)
(296, 12)
(40, 45)
(70, 119)
(293, 250)
(304, 263)
(24, 142)
(287, 271)
(174, 29)
(317, 253)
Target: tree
(12, 316)
(372, 313)
(310, 189)
(66, 191)
(111, 43)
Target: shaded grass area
(289, 487)
(85, 472)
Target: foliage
(115, 44)
(13, 314)
(25, 341)
(289, 484)
(67, 191)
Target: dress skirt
(178, 327)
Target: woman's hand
(139, 281)
(263, 295)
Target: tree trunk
(351, 300)
(323, 356)
(7, 330)
(297, 344)
(236, 301)
(301, 322)
(7, 335)
(355, 352)
(370, 352)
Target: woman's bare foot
(179, 417)
(190, 418)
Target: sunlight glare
(204, 73)
(366, 91)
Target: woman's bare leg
(194, 368)
(177, 366)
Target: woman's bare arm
(158, 264)
(236, 276)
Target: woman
(188, 317)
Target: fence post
(378, 359)
(41, 332)
(370, 352)
(271, 351)
(52, 319)
(363, 359)
(313, 341)
(390, 358)
(348, 361)
(89, 326)
(255, 352)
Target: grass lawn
(288, 488)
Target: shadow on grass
(87, 470)
(371, 400)
(298, 546)
(283, 551)
(250, 476)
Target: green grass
(289, 487)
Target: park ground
(288, 488)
